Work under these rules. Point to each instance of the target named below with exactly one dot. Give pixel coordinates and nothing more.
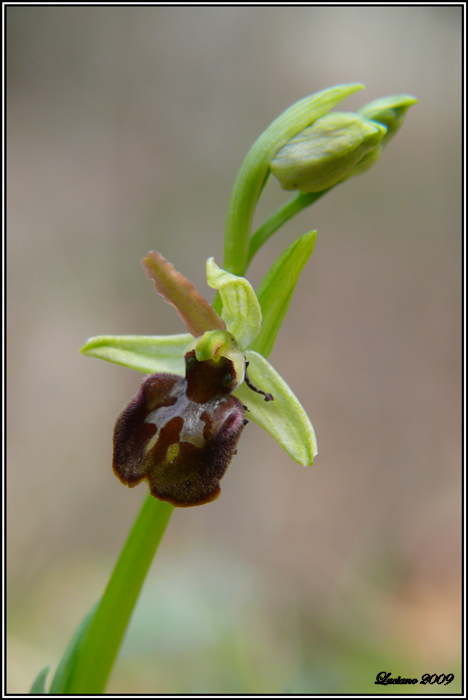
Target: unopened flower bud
(327, 152)
(389, 111)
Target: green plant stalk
(104, 637)
(271, 225)
(279, 218)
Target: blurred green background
(126, 127)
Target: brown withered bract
(180, 434)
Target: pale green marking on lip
(172, 452)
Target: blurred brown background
(126, 127)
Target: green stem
(104, 637)
(272, 224)
(279, 218)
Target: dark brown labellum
(180, 434)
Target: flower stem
(280, 217)
(104, 637)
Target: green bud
(327, 152)
(389, 111)
(368, 161)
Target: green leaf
(284, 418)
(277, 287)
(197, 314)
(64, 674)
(241, 310)
(145, 353)
(38, 687)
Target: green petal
(241, 310)
(39, 687)
(284, 418)
(389, 111)
(145, 353)
(276, 290)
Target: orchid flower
(180, 433)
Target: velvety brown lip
(180, 434)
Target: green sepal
(38, 687)
(145, 353)
(241, 310)
(283, 418)
(389, 111)
(64, 674)
(277, 288)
